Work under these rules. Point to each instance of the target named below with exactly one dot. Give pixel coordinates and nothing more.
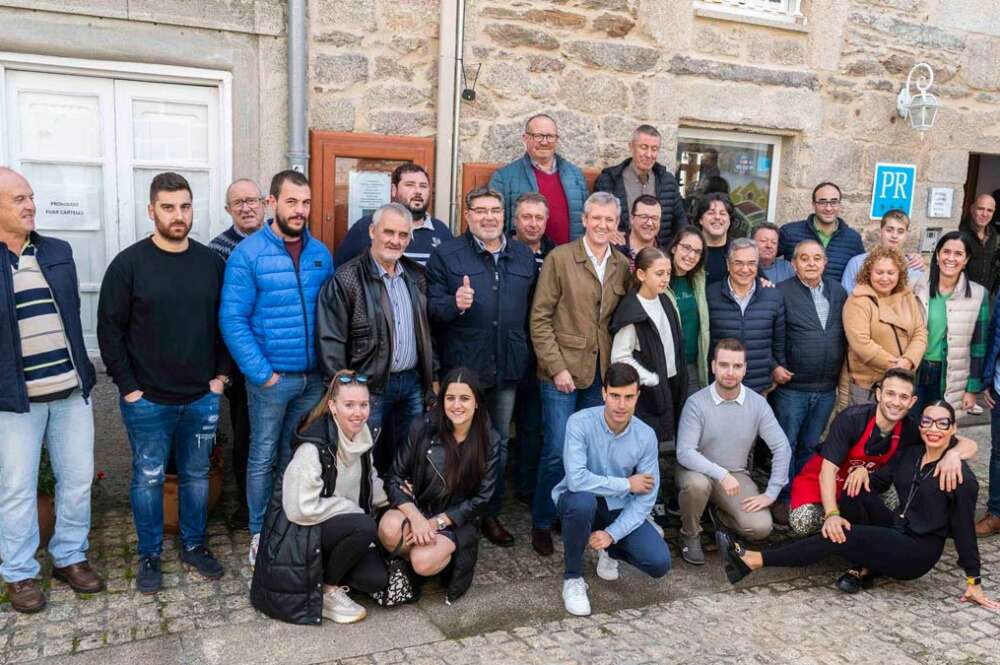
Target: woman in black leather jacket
(441, 481)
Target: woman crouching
(319, 538)
(440, 483)
(903, 544)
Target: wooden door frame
(324, 149)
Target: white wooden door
(61, 136)
(167, 127)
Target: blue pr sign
(893, 188)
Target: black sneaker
(200, 558)
(149, 579)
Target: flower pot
(46, 519)
(171, 490)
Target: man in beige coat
(578, 290)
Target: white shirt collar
(599, 266)
(427, 224)
(717, 398)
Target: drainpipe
(451, 36)
(298, 152)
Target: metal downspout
(449, 102)
(298, 151)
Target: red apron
(805, 486)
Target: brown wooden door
(332, 155)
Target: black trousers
(873, 542)
(239, 417)
(348, 555)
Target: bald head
(17, 207)
(982, 211)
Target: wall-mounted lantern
(921, 108)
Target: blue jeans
(500, 404)
(67, 427)
(402, 399)
(528, 420)
(275, 412)
(929, 388)
(582, 513)
(993, 501)
(153, 429)
(803, 416)
(557, 407)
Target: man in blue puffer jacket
(741, 308)
(268, 320)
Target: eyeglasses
(689, 249)
(927, 422)
(487, 211)
(646, 218)
(543, 138)
(827, 203)
(346, 379)
(249, 203)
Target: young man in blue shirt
(610, 487)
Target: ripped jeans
(152, 430)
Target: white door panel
(61, 137)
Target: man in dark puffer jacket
(840, 241)
(740, 308)
(815, 347)
(642, 174)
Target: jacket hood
(629, 311)
(616, 170)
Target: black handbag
(399, 589)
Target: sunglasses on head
(360, 379)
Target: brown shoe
(989, 525)
(496, 533)
(80, 577)
(26, 596)
(541, 541)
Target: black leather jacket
(421, 461)
(354, 322)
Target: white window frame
(778, 11)
(735, 136)
(135, 71)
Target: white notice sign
(367, 191)
(72, 209)
(939, 201)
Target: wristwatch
(441, 524)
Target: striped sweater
(226, 242)
(48, 368)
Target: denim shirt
(600, 462)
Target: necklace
(918, 477)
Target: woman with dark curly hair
(883, 322)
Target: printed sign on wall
(893, 188)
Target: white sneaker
(607, 568)
(252, 555)
(339, 608)
(575, 597)
(657, 527)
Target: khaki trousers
(695, 490)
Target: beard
(171, 232)
(418, 210)
(286, 228)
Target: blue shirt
(778, 271)
(404, 338)
(600, 462)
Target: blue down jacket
(761, 329)
(268, 311)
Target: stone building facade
(824, 86)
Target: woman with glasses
(686, 252)
(957, 311)
(319, 535)
(714, 218)
(884, 324)
(904, 543)
(441, 483)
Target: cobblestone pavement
(514, 614)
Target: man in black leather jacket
(372, 318)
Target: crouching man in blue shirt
(610, 487)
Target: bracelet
(973, 581)
(832, 513)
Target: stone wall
(603, 66)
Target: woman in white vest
(957, 312)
